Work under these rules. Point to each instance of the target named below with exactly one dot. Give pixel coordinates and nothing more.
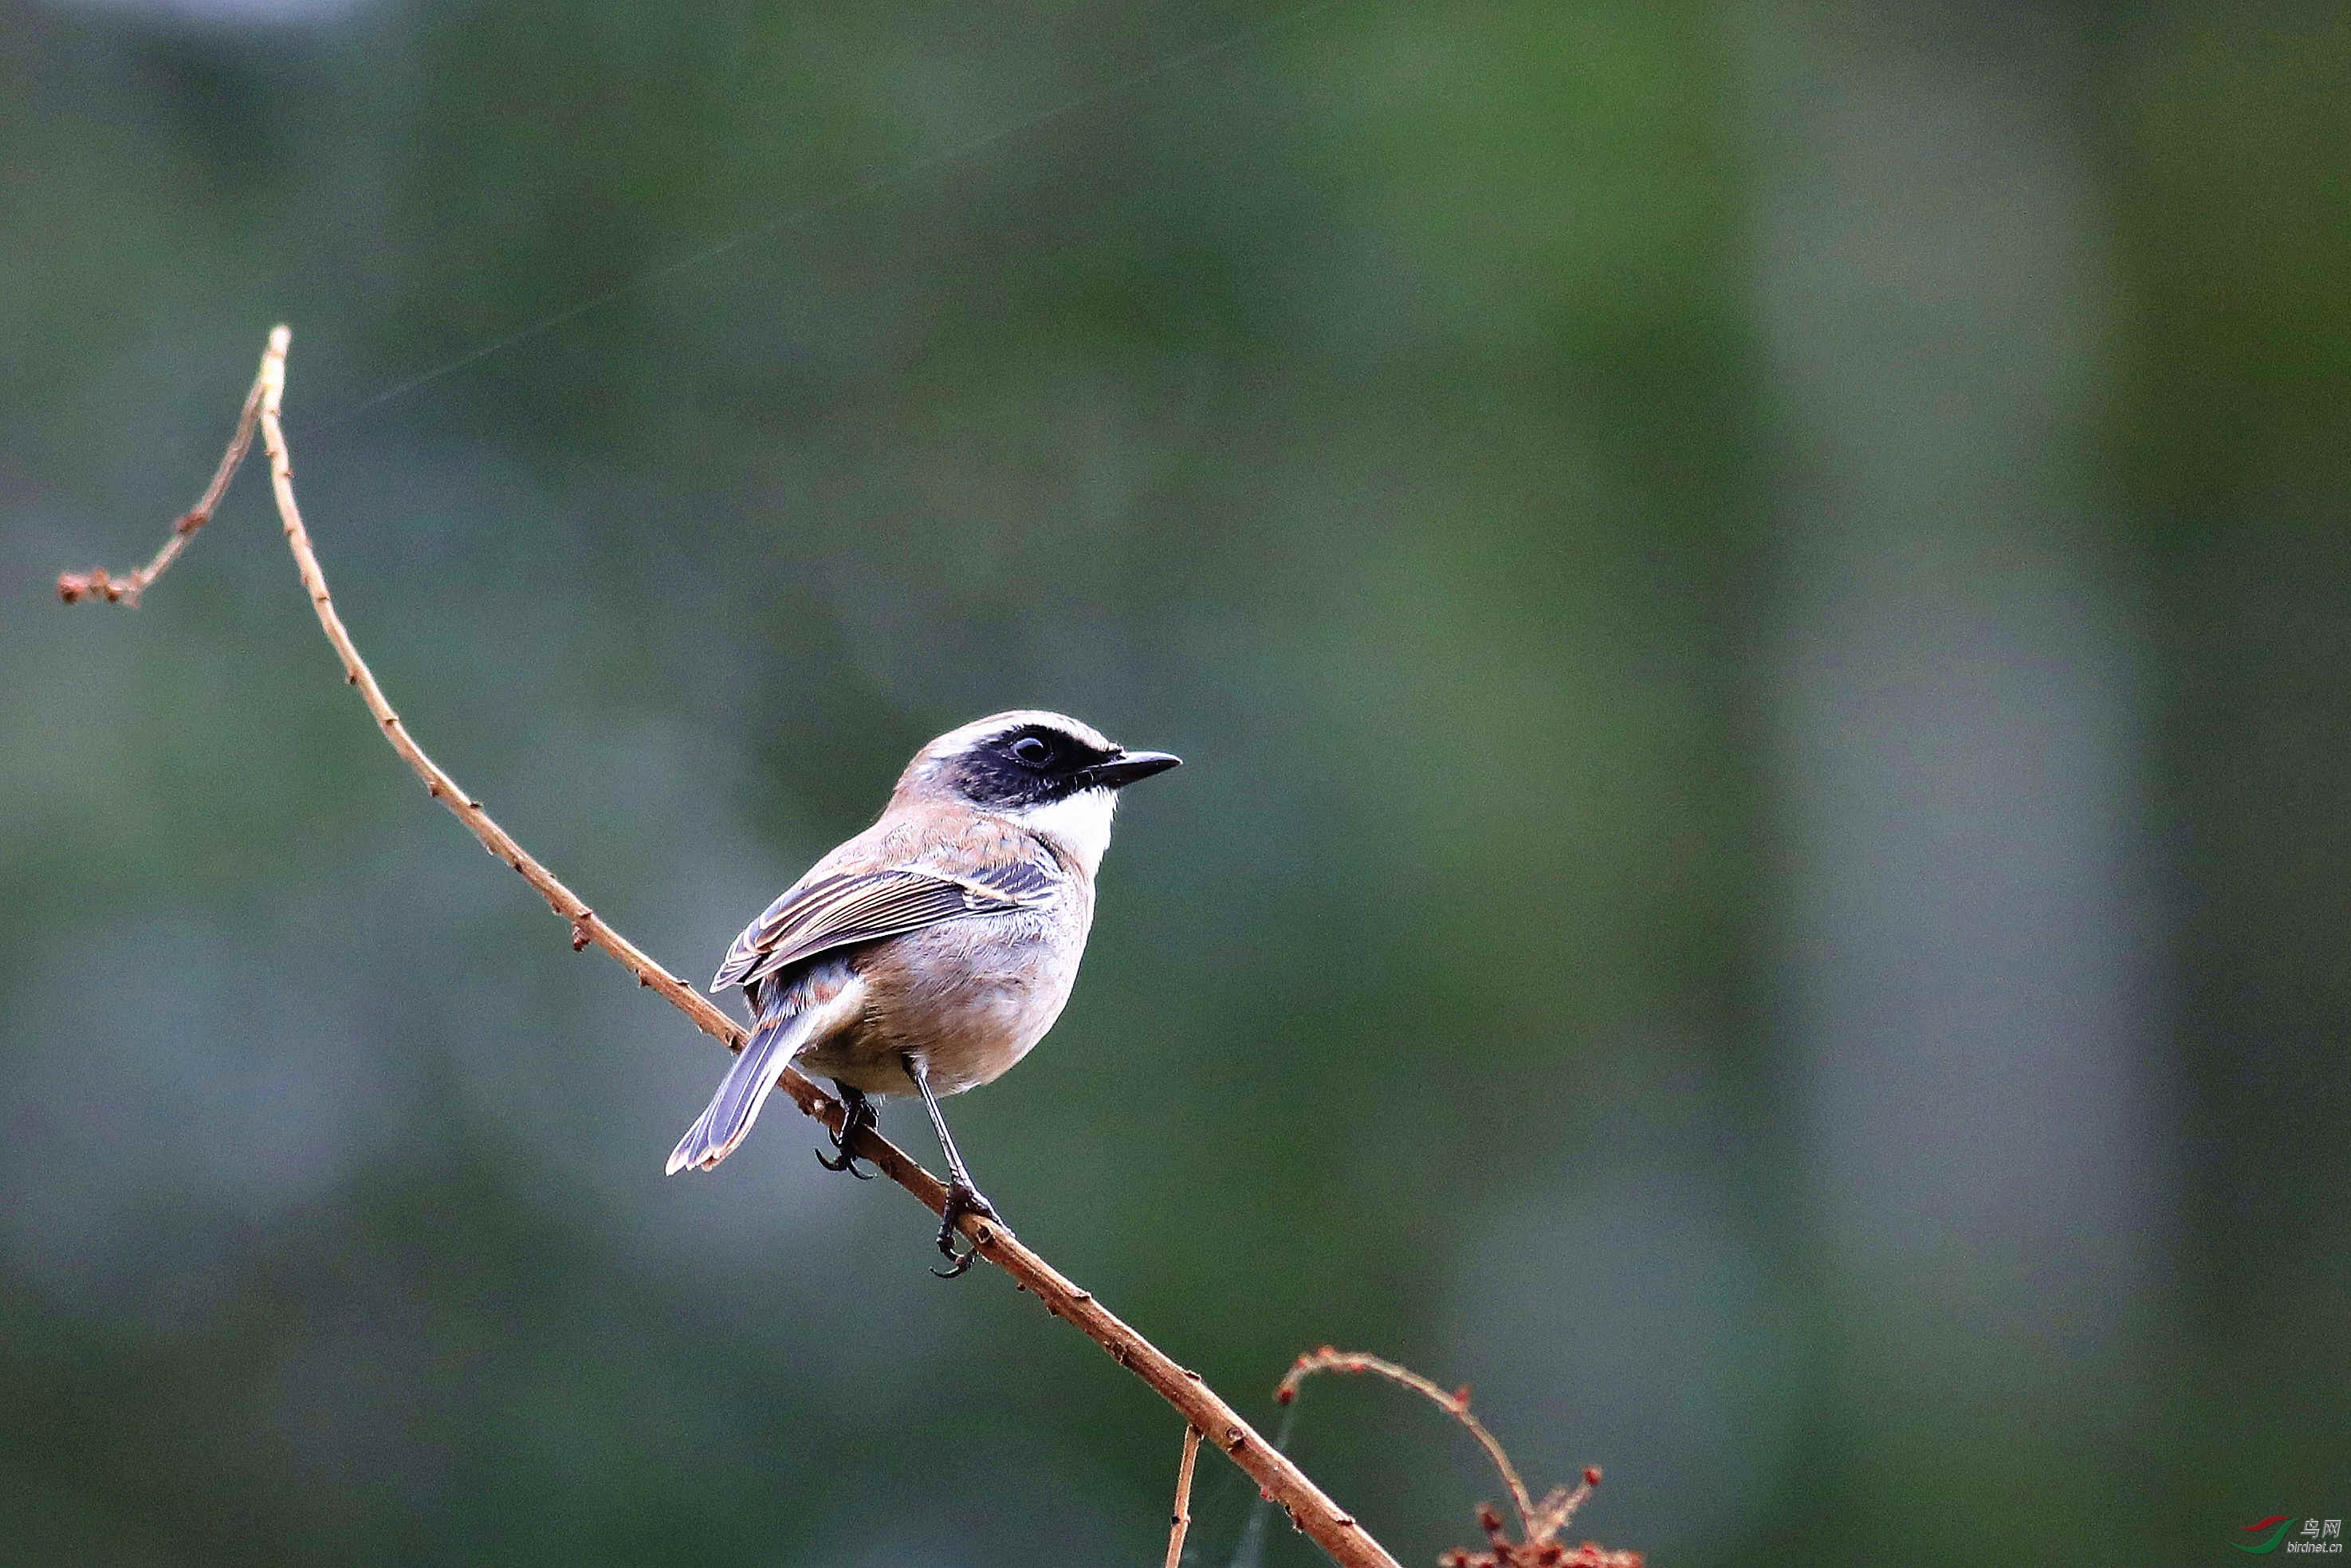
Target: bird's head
(1052, 774)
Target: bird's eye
(1032, 751)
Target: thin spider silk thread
(1250, 1553)
(824, 204)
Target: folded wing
(864, 906)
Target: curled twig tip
(1539, 1522)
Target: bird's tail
(780, 1032)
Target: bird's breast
(970, 996)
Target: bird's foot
(857, 1115)
(962, 1199)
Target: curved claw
(856, 1115)
(961, 1201)
(848, 1162)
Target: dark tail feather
(748, 1082)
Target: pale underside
(942, 938)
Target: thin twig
(74, 585)
(1456, 1405)
(1183, 1521)
(1539, 1522)
(1329, 1526)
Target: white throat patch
(1078, 825)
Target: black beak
(1123, 770)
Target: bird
(928, 954)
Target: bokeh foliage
(1383, 406)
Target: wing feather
(864, 906)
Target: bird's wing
(861, 906)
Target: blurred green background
(1758, 600)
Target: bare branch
(74, 585)
(1183, 1521)
(1329, 1526)
(1539, 1522)
(1456, 1405)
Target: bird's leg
(962, 1196)
(857, 1115)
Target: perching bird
(926, 954)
